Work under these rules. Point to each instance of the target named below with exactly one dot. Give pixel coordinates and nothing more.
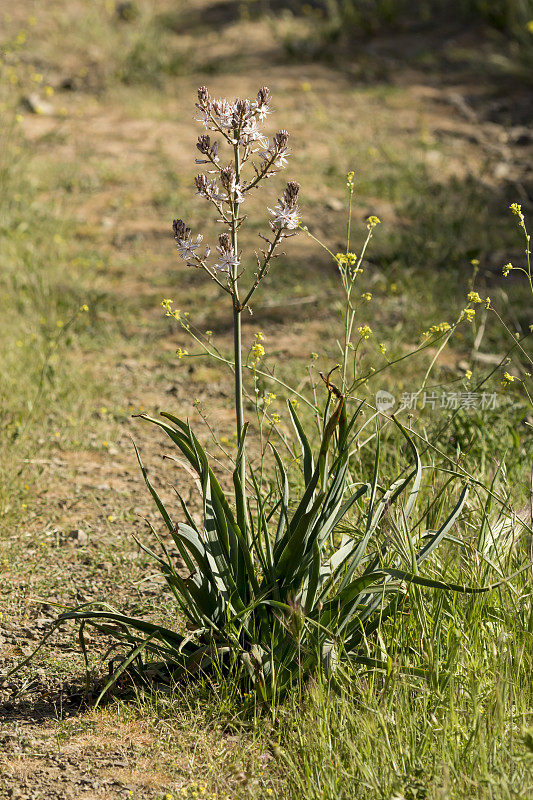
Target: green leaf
(304, 443)
(159, 503)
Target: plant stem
(237, 350)
(237, 311)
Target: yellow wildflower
(258, 351)
(441, 327)
(507, 379)
(366, 296)
(468, 314)
(516, 208)
(468, 374)
(372, 221)
(506, 269)
(473, 297)
(364, 331)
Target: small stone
(36, 105)
(79, 536)
(335, 204)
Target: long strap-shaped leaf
(436, 539)
(307, 453)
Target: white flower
(186, 247)
(250, 133)
(227, 260)
(281, 159)
(262, 111)
(285, 216)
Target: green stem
(237, 351)
(237, 311)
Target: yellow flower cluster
(169, 311)
(507, 379)
(180, 353)
(258, 351)
(350, 181)
(269, 398)
(468, 314)
(372, 222)
(516, 208)
(366, 296)
(346, 259)
(348, 263)
(194, 790)
(441, 327)
(473, 297)
(506, 269)
(364, 331)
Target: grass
(85, 202)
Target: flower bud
(204, 100)
(263, 96)
(181, 232)
(227, 179)
(290, 195)
(281, 139)
(224, 240)
(201, 184)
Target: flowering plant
(275, 582)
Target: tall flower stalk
(239, 124)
